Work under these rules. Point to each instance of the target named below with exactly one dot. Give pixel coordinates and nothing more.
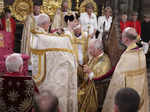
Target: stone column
(130, 8)
(116, 4)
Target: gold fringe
(49, 34)
(90, 92)
(42, 51)
(36, 77)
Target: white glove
(145, 47)
(91, 75)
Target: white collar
(108, 18)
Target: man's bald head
(130, 33)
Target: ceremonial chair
(16, 94)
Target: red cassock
(137, 26)
(9, 27)
(124, 25)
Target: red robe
(124, 25)
(12, 27)
(137, 26)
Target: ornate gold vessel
(83, 4)
(21, 9)
(50, 6)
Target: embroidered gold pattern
(21, 9)
(3, 105)
(39, 78)
(8, 25)
(35, 31)
(24, 106)
(29, 88)
(13, 95)
(1, 40)
(84, 42)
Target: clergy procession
(73, 60)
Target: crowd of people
(67, 57)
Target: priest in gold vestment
(58, 21)
(80, 45)
(96, 67)
(53, 65)
(28, 25)
(130, 72)
(79, 41)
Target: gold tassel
(89, 98)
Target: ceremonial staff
(77, 5)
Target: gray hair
(97, 43)
(89, 5)
(13, 62)
(130, 33)
(108, 9)
(43, 19)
